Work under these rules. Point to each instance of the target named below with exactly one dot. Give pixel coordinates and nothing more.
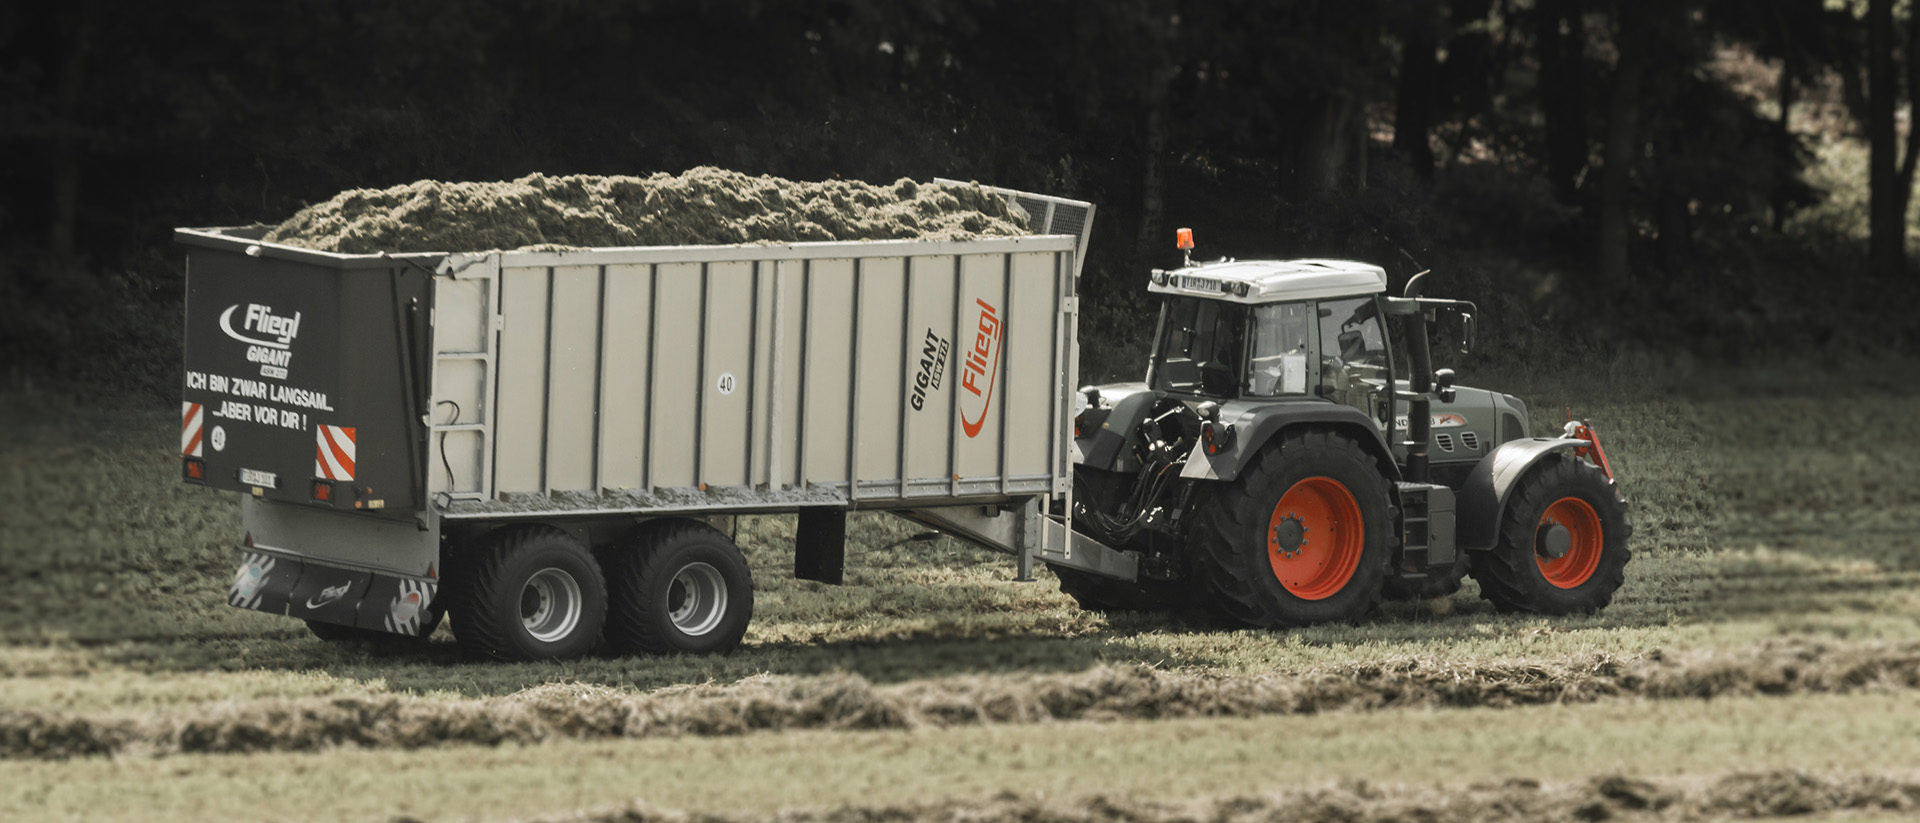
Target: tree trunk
(1418, 92)
(63, 211)
(1672, 218)
(1320, 155)
(1886, 223)
(1152, 235)
(1783, 170)
(1471, 69)
(1903, 185)
(1563, 103)
(1623, 126)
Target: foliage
(1266, 126)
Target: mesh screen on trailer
(1049, 215)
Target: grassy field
(1763, 659)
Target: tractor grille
(1444, 441)
(1470, 440)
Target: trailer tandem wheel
(679, 586)
(529, 592)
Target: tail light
(194, 469)
(323, 491)
(1216, 437)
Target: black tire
(334, 633)
(1239, 551)
(678, 587)
(529, 592)
(1518, 577)
(1106, 595)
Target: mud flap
(278, 584)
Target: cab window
(1353, 353)
(1277, 361)
(1199, 347)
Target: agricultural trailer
(550, 447)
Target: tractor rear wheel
(529, 592)
(678, 587)
(1300, 538)
(1563, 543)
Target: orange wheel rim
(1314, 538)
(1583, 547)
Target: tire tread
(1509, 577)
(630, 609)
(1239, 509)
(482, 631)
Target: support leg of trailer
(820, 546)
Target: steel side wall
(769, 368)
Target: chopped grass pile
(702, 206)
(772, 703)
(1740, 796)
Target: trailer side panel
(868, 374)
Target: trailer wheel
(529, 592)
(1563, 543)
(1300, 538)
(679, 587)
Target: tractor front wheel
(1562, 546)
(1300, 538)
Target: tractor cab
(1265, 330)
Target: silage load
(702, 206)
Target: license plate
(256, 477)
(1187, 281)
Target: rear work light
(194, 469)
(323, 491)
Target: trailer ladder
(447, 418)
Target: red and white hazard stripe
(333, 452)
(192, 415)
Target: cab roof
(1271, 281)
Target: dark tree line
(1588, 139)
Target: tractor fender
(1254, 427)
(1483, 500)
(1106, 447)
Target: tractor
(1292, 457)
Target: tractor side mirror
(1443, 385)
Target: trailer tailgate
(300, 383)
